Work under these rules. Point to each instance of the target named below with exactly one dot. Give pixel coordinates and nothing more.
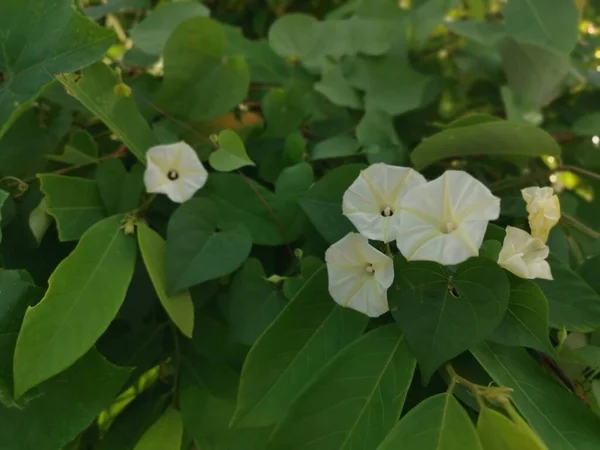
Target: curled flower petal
(359, 275)
(174, 170)
(524, 255)
(372, 202)
(543, 207)
(445, 219)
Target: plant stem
(577, 225)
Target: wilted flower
(445, 219)
(359, 275)
(524, 255)
(372, 202)
(174, 170)
(544, 210)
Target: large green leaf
(84, 295)
(561, 420)
(95, 89)
(310, 331)
(39, 39)
(164, 434)
(254, 302)
(200, 82)
(231, 154)
(534, 73)
(179, 306)
(437, 423)
(151, 34)
(356, 400)
(572, 302)
(196, 252)
(526, 321)
(75, 203)
(270, 218)
(442, 313)
(495, 138)
(81, 149)
(64, 405)
(322, 203)
(549, 23)
(120, 190)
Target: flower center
(448, 227)
(369, 269)
(387, 212)
(172, 175)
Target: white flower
(359, 275)
(445, 219)
(174, 170)
(372, 202)
(544, 210)
(524, 255)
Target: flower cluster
(443, 220)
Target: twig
(572, 222)
(118, 153)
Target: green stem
(575, 224)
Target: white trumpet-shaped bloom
(174, 170)
(524, 255)
(445, 219)
(359, 275)
(372, 202)
(543, 208)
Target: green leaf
(75, 203)
(271, 219)
(526, 321)
(84, 295)
(41, 38)
(283, 113)
(64, 406)
(437, 423)
(254, 302)
(549, 23)
(95, 90)
(296, 36)
(356, 400)
(391, 85)
(165, 434)
(376, 132)
(81, 149)
(336, 88)
(491, 138)
(178, 306)
(335, 147)
(151, 34)
(587, 125)
(39, 137)
(534, 73)
(3, 197)
(200, 82)
(560, 419)
(497, 432)
(484, 33)
(196, 252)
(294, 180)
(572, 302)
(322, 203)
(309, 332)
(442, 313)
(120, 190)
(231, 154)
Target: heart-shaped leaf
(196, 252)
(201, 82)
(442, 313)
(231, 154)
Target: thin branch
(575, 224)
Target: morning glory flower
(445, 219)
(524, 255)
(174, 170)
(372, 202)
(544, 210)
(359, 275)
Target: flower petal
(524, 255)
(372, 202)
